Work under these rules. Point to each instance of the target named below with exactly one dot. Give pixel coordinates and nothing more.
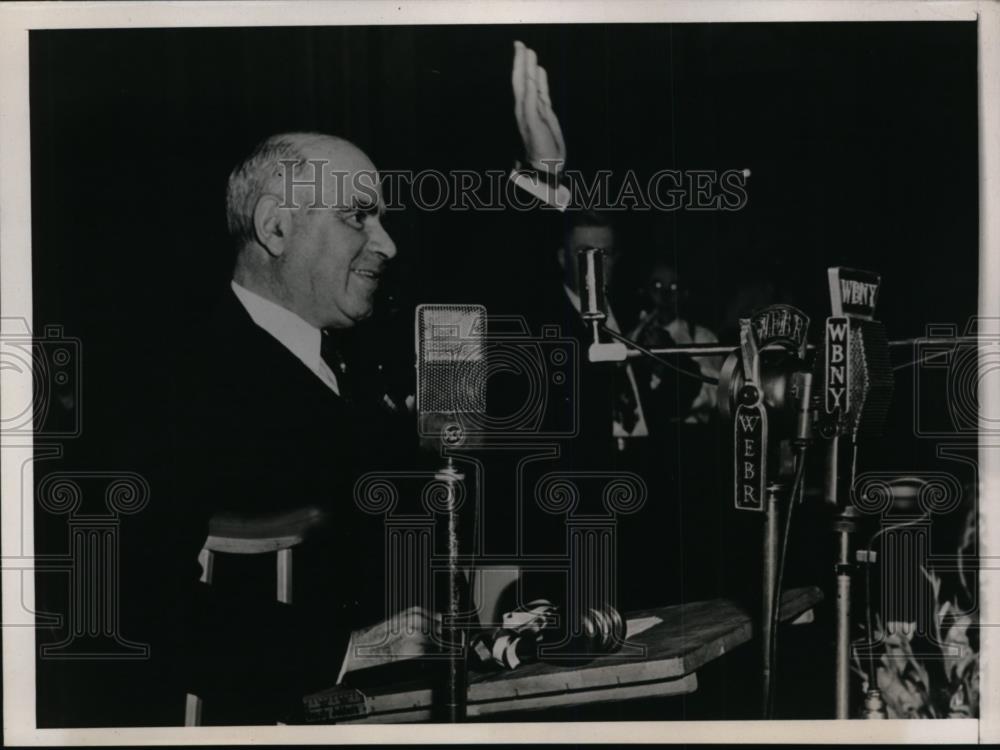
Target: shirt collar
(299, 337)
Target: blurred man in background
(666, 321)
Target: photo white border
(16, 302)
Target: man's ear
(271, 224)
(561, 256)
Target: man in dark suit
(608, 407)
(270, 419)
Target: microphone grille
(451, 359)
(871, 377)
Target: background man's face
(337, 253)
(582, 237)
(664, 291)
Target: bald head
(305, 212)
(265, 170)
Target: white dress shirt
(299, 337)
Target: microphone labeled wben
(451, 374)
(593, 306)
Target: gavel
(528, 630)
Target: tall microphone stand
(858, 381)
(453, 628)
(769, 615)
(451, 377)
(754, 450)
(844, 526)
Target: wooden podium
(664, 649)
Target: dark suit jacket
(256, 431)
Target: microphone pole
(746, 387)
(451, 396)
(754, 492)
(836, 404)
(858, 384)
(453, 632)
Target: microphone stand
(859, 381)
(844, 525)
(769, 615)
(453, 628)
(451, 376)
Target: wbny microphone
(857, 373)
(451, 374)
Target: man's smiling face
(338, 250)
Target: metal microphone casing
(451, 374)
(593, 306)
(593, 297)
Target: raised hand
(540, 132)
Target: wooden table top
(660, 660)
